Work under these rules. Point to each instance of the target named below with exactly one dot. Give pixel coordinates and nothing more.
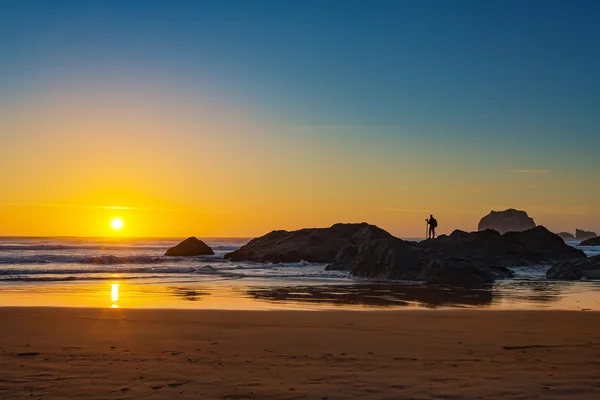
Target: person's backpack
(433, 223)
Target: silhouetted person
(432, 222)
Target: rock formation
(566, 236)
(583, 235)
(390, 258)
(313, 244)
(510, 220)
(344, 259)
(455, 271)
(488, 250)
(588, 268)
(190, 247)
(370, 252)
(591, 242)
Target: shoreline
(51, 353)
(261, 295)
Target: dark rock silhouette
(390, 258)
(591, 242)
(487, 250)
(510, 220)
(313, 244)
(574, 270)
(367, 251)
(455, 271)
(566, 235)
(344, 259)
(583, 235)
(542, 246)
(190, 247)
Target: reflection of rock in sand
(377, 295)
(188, 293)
(531, 291)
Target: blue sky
(481, 70)
(466, 63)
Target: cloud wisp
(530, 171)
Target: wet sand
(62, 353)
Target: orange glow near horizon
(174, 164)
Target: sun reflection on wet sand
(258, 296)
(114, 294)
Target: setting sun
(116, 223)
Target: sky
(234, 118)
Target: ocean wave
(38, 247)
(534, 272)
(255, 265)
(71, 278)
(106, 270)
(590, 250)
(266, 271)
(225, 248)
(104, 260)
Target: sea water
(108, 272)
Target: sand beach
(63, 353)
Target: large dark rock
(455, 271)
(510, 220)
(566, 236)
(344, 259)
(487, 250)
(583, 235)
(591, 242)
(190, 247)
(390, 258)
(540, 246)
(313, 244)
(368, 251)
(534, 246)
(574, 270)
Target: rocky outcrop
(540, 246)
(320, 245)
(190, 247)
(574, 270)
(344, 259)
(461, 258)
(591, 242)
(390, 258)
(534, 246)
(510, 220)
(455, 271)
(566, 236)
(583, 235)
(487, 250)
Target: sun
(116, 224)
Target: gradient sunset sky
(233, 118)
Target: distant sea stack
(591, 242)
(190, 247)
(583, 235)
(566, 235)
(510, 220)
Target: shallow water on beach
(132, 273)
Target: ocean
(104, 272)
